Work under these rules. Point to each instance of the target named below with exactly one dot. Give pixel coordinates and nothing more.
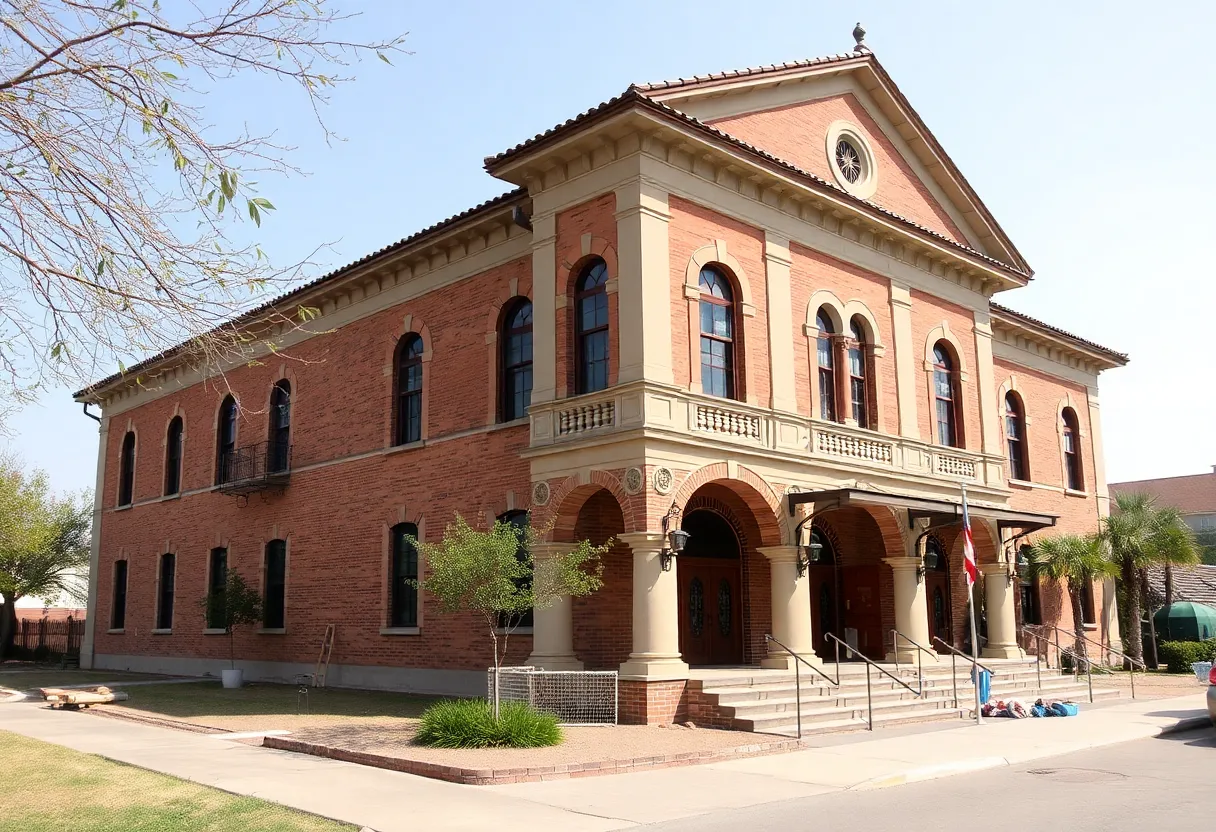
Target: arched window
(402, 591)
(274, 607)
(516, 341)
(164, 601)
(126, 470)
(857, 374)
(591, 327)
(518, 520)
(409, 389)
(173, 457)
(118, 598)
(1015, 437)
(279, 456)
(827, 366)
(945, 389)
(225, 442)
(1072, 450)
(717, 334)
(217, 588)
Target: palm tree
(1075, 559)
(1139, 535)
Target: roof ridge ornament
(859, 35)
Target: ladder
(327, 649)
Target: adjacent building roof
(1191, 583)
(1194, 494)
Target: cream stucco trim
(1101, 493)
(90, 624)
(777, 264)
(644, 290)
(990, 438)
(867, 182)
(905, 369)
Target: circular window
(851, 159)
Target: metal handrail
(797, 679)
(954, 653)
(1131, 672)
(918, 691)
(896, 635)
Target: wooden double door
(710, 612)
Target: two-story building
(757, 305)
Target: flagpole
(975, 641)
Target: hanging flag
(968, 545)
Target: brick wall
(603, 621)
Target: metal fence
(578, 697)
(62, 637)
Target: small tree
(1077, 560)
(230, 606)
(492, 574)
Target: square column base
(657, 669)
(1002, 651)
(784, 661)
(554, 662)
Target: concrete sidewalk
(388, 801)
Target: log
(83, 698)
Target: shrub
(1180, 655)
(41, 653)
(469, 723)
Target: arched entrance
(937, 592)
(709, 579)
(853, 597)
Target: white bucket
(1202, 669)
(232, 678)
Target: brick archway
(568, 496)
(762, 501)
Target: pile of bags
(1016, 708)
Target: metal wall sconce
(929, 561)
(674, 539)
(1021, 567)
(807, 555)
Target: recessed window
(279, 453)
(225, 442)
(1072, 450)
(402, 592)
(945, 395)
(173, 457)
(591, 327)
(126, 470)
(164, 602)
(274, 607)
(859, 393)
(516, 338)
(217, 585)
(717, 309)
(826, 360)
(118, 606)
(1015, 437)
(409, 389)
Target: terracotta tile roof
(634, 97)
(1191, 583)
(747, 72)
(1194, 494)
(1119, 357)
(416, 237)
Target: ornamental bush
(1180, 655)
(470, 723)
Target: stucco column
(544, 307)
(90, 623)
(777, 263)
(905, 359)
(911, 614)
(1002, 623)
(553, 625)
(656, 628)
(642, 218)
(791, 599)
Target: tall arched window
(591, 327)
(516, 341)
(827, 366)
(166, 580)
(409, 389)
(274, 606)
(279, 456)
(402, 591)
(717, 334)
(945, 390)
(1072, 450)
(1015, 437)
(173, 457)
(225, 441)
(857, 374)
(126, 470)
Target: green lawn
(47, 788)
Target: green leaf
(219, 206)
(263, 203)
(254, 215)
(384, 58)
(101, 266)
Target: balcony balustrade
(255, 467)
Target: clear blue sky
(1086, 127)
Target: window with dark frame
(409, 389)
(717, 310)
(519, 522)
(118, 608)
(945, 386)
(858, 392)
(173, 457)
(403, 592)
(217, 587)
(826, 360)
(225, 441)
(1072, 450)
(516, 340)
(164, 602)
(1088, 610)
(591, 327)
(1015, 438)
(1031, 613)
(126, 470)
(279, 456)
(274, 605)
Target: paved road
(1161, 783)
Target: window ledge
(1027, 484)
(175, 496)
(162, 631)
(513, 423)
(408, 446)
(400, 631)
(1072, 492)
(272, 631)
(214, 631)
(116, 631)
(1092, 627)
(125, 507)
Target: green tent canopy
(1185, 621)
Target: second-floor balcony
(255, 467)
(663, 410)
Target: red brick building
(765, 299)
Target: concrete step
(932, 686)
(764, 720)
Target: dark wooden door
(710, 614)
(861, 608)
(937, 604)
(825, 609)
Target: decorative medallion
(540, 493)
(663, 480)
(634, 480)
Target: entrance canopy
(939, 512)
